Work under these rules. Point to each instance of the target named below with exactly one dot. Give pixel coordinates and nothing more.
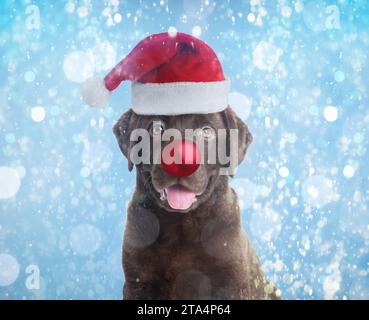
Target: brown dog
(201, 252)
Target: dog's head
(181, 194)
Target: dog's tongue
(180, 198)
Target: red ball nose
(180, 158)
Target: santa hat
(171, 74)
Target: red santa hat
(170, 75)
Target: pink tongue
(180, 198)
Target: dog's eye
(207, 132)
(157, 128)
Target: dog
(197, 252)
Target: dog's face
(185, 193)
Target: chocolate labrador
(190, 247)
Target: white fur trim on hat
(94, 92)
(180, 97)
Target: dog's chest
(187, 233)
(183, 259)
(191, 273)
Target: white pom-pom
(94, 92)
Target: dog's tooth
(163, 196)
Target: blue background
(300, 74)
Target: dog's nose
(180, 158)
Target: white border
(179, 97)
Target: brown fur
(202, 253)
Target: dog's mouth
(175, 196)
(178, 197)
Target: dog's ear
(244, 135)
(122, 131)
